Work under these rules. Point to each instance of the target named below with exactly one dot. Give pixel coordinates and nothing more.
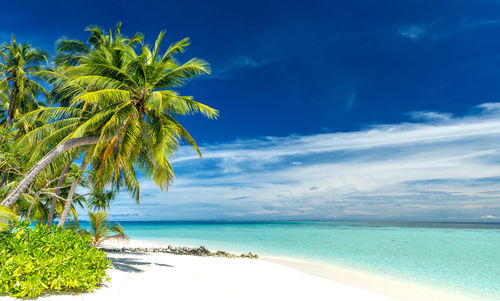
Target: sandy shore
(161, 276)
(393, 289)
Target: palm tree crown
(20, 64)
(122, 104)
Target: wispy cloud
(238, 63)
(413, 32)
(464, 25)
(467, 23)
(430, 116)
(490, 106)
(442, 167)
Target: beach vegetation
(6, 216)
(36, 260)
(100, 228)
(91, 117)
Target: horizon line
(491, 221)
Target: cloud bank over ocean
(438, 166)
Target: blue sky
(329, 109)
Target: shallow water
(462, 258)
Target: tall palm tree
(20, 63)
(122, 107)
(71, 52)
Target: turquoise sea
(463, 258)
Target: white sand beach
(396, 290)
(162, 276)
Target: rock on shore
(200, 251)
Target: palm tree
(20, 63)
(100, 200)
(121, 107)
(33, 203)
(100, 228)
(72, 52)
(57, 192)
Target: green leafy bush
(35, 260)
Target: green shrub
(35, 260)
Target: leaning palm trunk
(43, 163)
(69, 198)
(58, 190)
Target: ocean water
(462, 258)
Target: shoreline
(380, 285)
(157, 276)
(151, 275)
(397, 290)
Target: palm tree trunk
(57, 191)
(29, 210)
(37, 195)
(10, 112)
(28, 215)
(43, 163)
(69, 198)
(8, 120)
(12, 101)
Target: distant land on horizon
(402, 221)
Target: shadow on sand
(132, 265)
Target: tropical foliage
(100, 200)
(100, 228)
(6, 216)
(35, 260)
(115, 108)
(34, 202)
(20, 64)
(92, 116)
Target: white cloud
(430, 116)
(413, 32)
(490, 106)
(489, 216)
(441, 167)
(272, 148)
